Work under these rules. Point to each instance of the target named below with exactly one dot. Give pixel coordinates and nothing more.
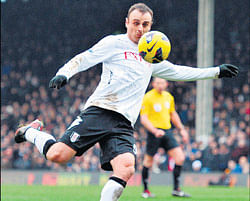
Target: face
(159, 84)
(137, 24)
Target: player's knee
(56, 156)
(124, 167)
(60, 153)
(131, 170)
(127, 171)
(53, 156)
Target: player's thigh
(123, 165)
(85, 131)
(116, 143)
(148, 161)
(60, 152)
(177, 154)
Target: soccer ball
(154, 47)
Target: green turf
(92, 193)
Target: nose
(140, 28)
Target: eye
(145, 24)
(136, 23)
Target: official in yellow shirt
(157, 113)
(158, 108)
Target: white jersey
(125, 75)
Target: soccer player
(111, 111)
(157, 113)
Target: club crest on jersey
(74, 137)
(167, 105)
(157, 107)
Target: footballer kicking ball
(154, 47)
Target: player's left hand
(228, 70)
(185, 136)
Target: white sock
(38, 138)
(111, 191)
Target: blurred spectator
(224, 156)
(243, 162)
(240, 150)
(234, 167)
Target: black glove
(228, 70)
(58, 81)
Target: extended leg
(45, 143)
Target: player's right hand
(58, 81)
(159, 133)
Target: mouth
(138, 35)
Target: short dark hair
(143, 8)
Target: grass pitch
(92, 193)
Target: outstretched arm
(169, 71)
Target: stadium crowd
(31, 57)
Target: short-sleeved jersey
(125, 75)
(158, 108)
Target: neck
(159, 92)
(131, 40)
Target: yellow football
(154, 47)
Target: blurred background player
(157, 113)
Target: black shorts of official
(167, 142)
(111, 129)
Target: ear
(126, 22)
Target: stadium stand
(37, 41)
